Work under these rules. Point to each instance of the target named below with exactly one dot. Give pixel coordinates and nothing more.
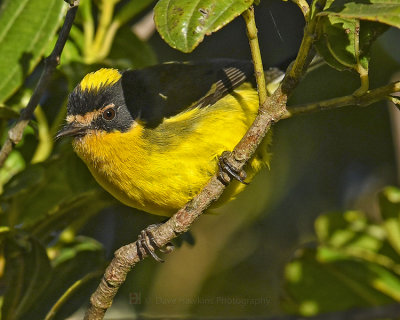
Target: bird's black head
(97, 103)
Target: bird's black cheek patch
(122, 122)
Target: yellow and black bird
(152, 137)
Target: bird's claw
(226, 170)
(146, 244)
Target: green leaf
(336, 42)
(27, 270)
(184, 23)
(341, 37)
(349, 230)
(35, 283)
(71, 251)
(356, 262)
(318, 286)
(332, 228)
(383, 11)
(344, 40)
(345, 43)
(351, 235)
(26, 28)
(73, 262)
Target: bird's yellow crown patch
(102, 77)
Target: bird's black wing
(165, 90)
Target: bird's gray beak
(71, 130)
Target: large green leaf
(184, 23)
(345, 43)
(26, 28)
(27, 275)
(383, 11)
(35, 284)
(317, 285)
(72, 262)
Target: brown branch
(271, 111)
(51, 62)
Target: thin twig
(367, 98)
(271, 111)
(301, 62)
(251, 28)
(51, 62)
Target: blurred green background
(330, 161)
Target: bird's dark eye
(109, 114)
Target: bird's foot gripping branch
(227, 172)
(146, 244)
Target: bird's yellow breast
(160, 169)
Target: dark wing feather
(165, 90)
